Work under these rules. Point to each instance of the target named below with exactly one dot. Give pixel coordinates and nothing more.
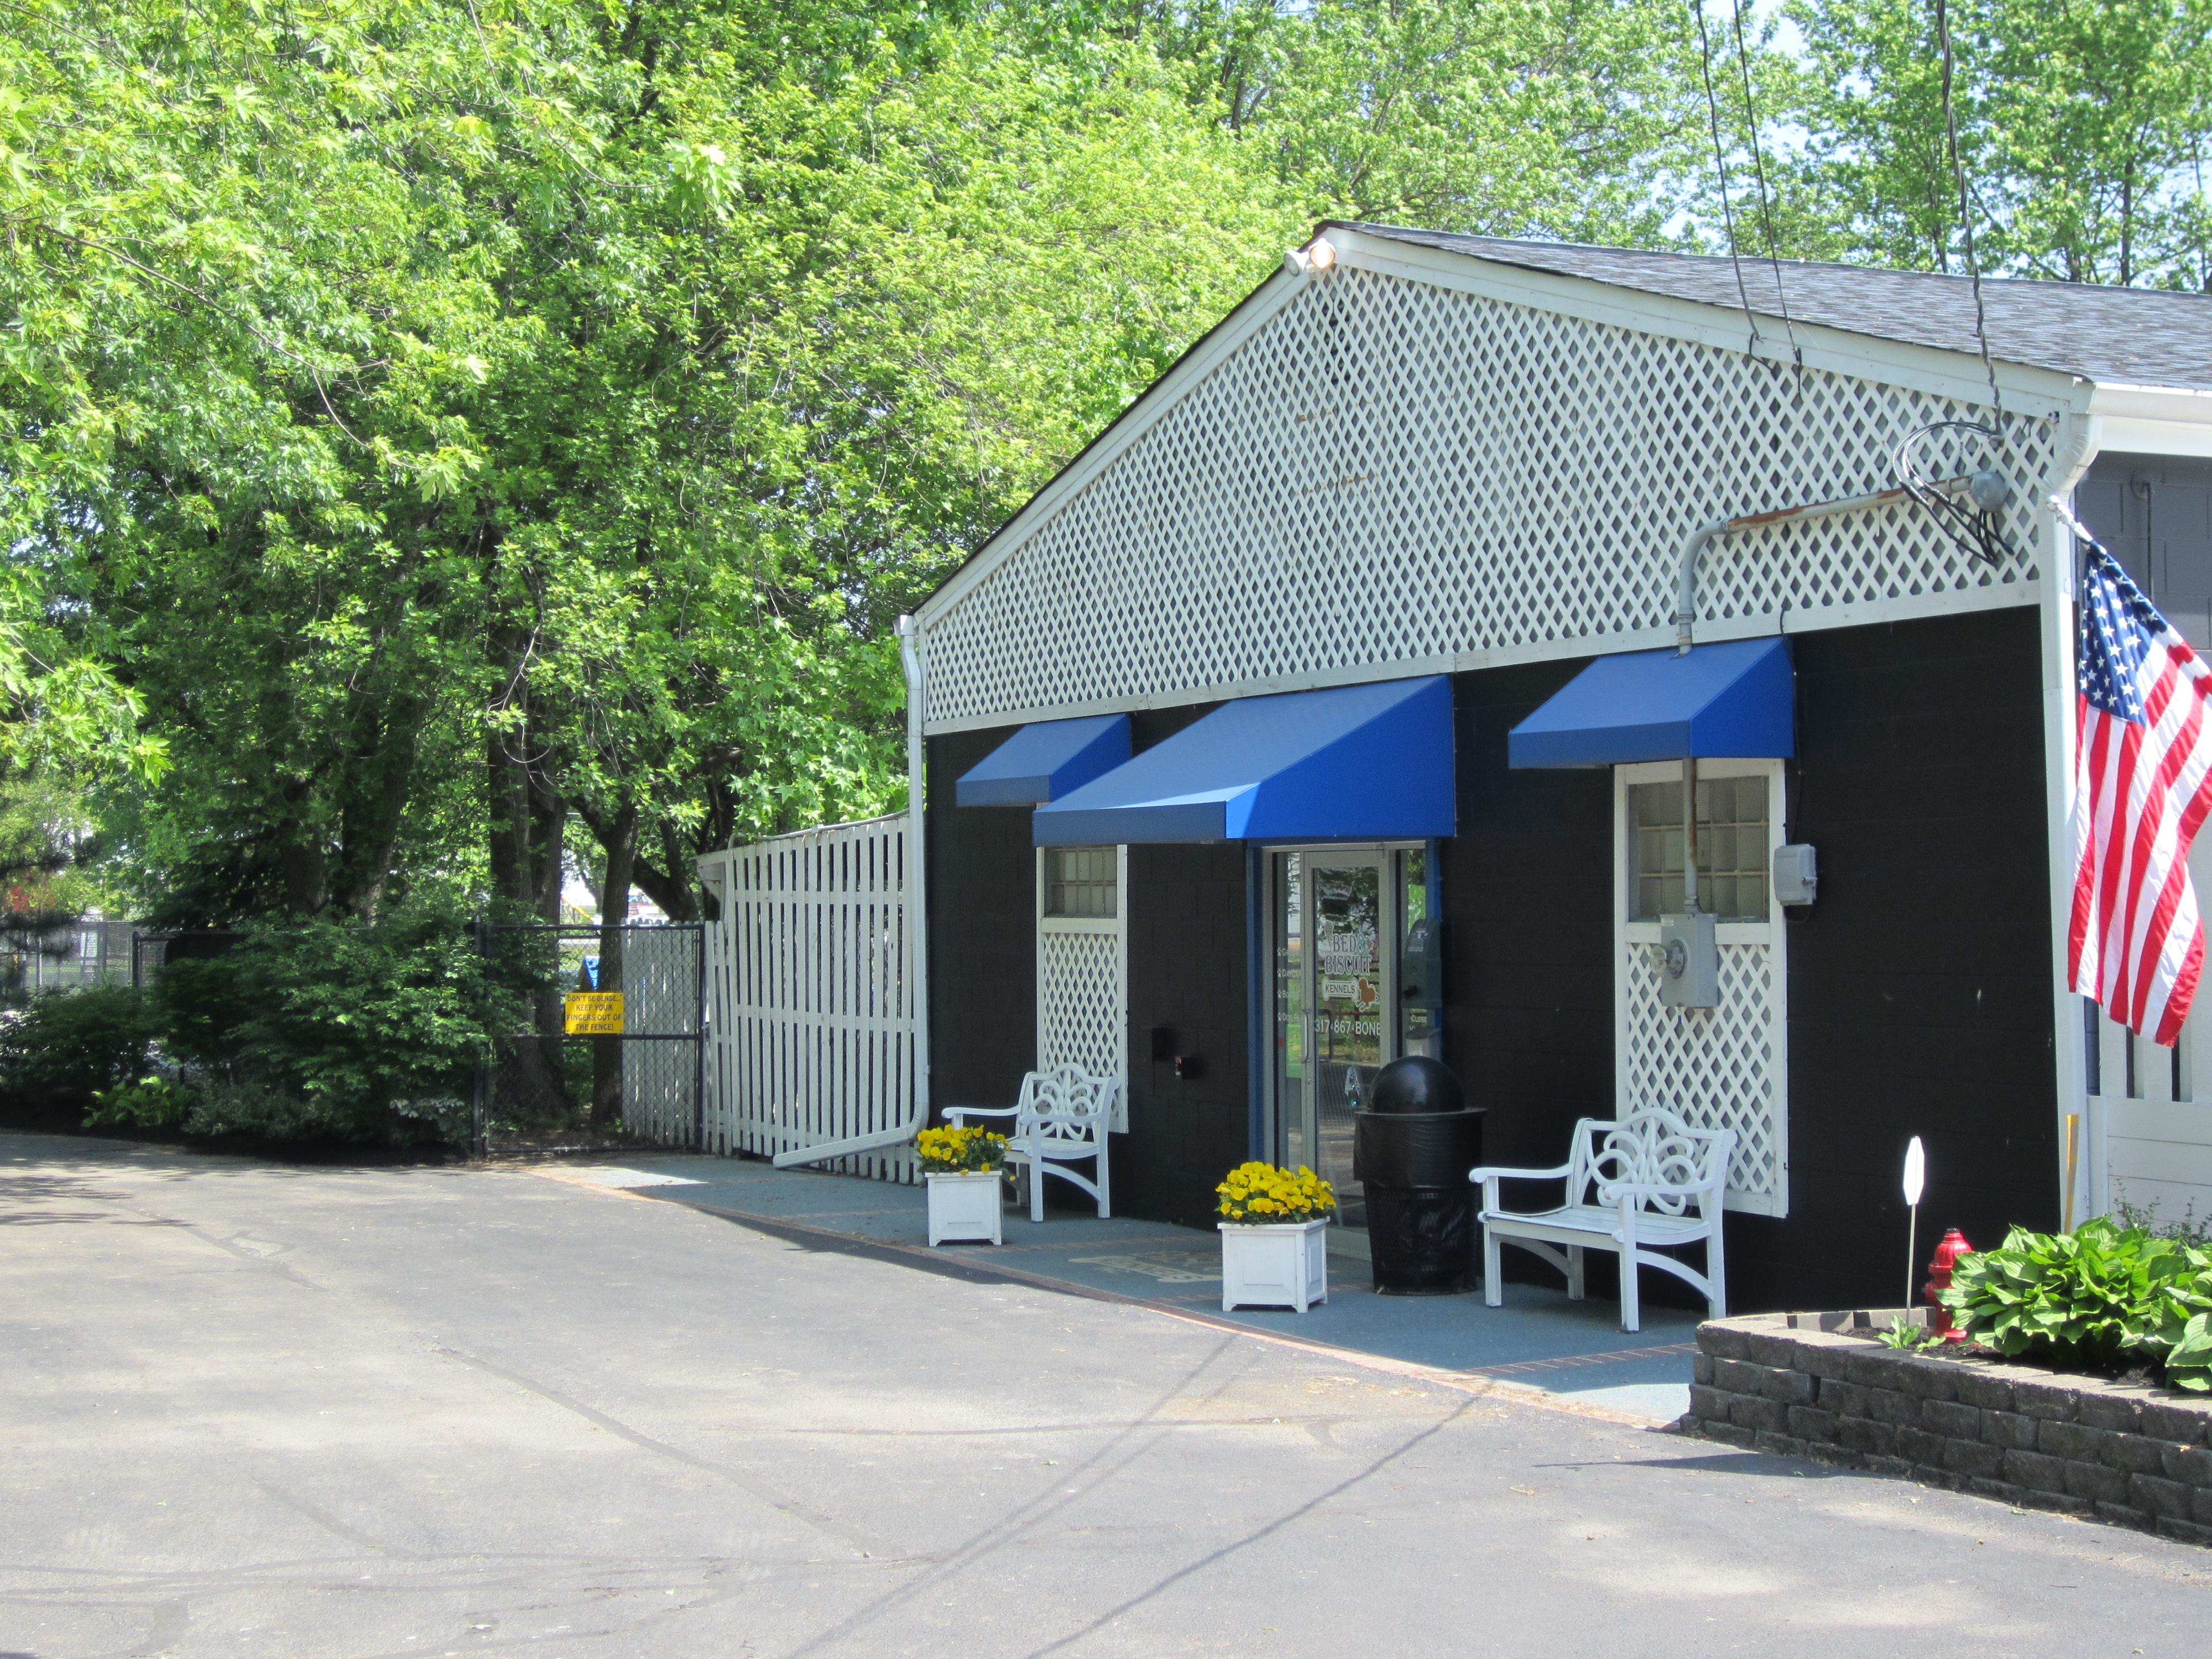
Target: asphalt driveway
(251, 1410)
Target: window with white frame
(1081, 881)
(1725, 1067)
(1733, 861)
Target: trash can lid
(1416, 1083)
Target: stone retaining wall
(1795, 1384)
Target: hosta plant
(960, 1151)
(2188, 1361)
(2091, 1298)
(1261, 1194)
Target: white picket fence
(809, 997)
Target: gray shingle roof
(2128, 336)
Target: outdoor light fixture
(1322, 256)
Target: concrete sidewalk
(1538, 1339)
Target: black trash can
(1416, 1139)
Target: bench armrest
(955, 1114)
(1490, 1172)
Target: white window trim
(1772, 933)
(1116, 923)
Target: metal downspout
(917, 919)
(917, 933)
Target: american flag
(2142, 784)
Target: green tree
(1566, 119)
(2082, 124)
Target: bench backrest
(1649, 1148)
(1066, 1106)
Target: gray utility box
(1689, 961)
(1797, 874)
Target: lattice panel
(1390, 472)
(1716, 1068)
(1081, 1018)
(812, 1033)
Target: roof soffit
(2150, 421)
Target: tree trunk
(617, 837)
(525, 820)
(673, 884)
(372, 821)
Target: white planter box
(1281, 1265)
(964, 1206)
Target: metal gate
(576, 1048)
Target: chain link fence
(88, 952)
(612, 1038)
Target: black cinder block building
(1357, 693)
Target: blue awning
(1043, 762)
(1735, 700)
(1361, 762)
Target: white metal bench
(1060, 1118)
(1630, 1184)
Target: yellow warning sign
(594, 1013)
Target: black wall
(1919, 985)
(1528, 909)
(1920, 999)
(1187, 972)
(982, 935)
(1919, 996)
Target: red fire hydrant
(1953, 1246)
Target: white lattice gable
(1422, 461)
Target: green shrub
(331, 1031)
(204, 1007)
(2189, 1362)
(2094, 1298)
(256, 1113)
(2188, 1229)
(151, 1102)
(253, 1111)
(74, 1044)
(357, 1020)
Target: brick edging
(1792, 1385)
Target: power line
(1720, 164)
(1966, 216)
(1759, 173)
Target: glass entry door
(1335, 955)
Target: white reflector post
(1916, 1179)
